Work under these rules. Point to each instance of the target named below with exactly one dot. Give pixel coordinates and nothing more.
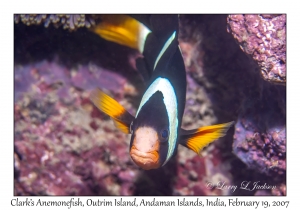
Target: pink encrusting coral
(65, 146)
(62, 147)
(263, 37)
(260, 133)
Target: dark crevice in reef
(37, 43)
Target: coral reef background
(65, 146)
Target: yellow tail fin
(200, 138)
(122, 29)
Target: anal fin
(197, 139)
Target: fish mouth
(145, 160)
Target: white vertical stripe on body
(170, 100)
(165, 47)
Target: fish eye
(164, 134)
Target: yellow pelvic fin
(111, 107)
(122, 29)
(203, 136)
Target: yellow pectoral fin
(113, 109)
(197, 140)
(107, 104)
(122, 29)
(122, 126)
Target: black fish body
(161, 108)
(156, 128)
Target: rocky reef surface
(263, 37)
(66, 146)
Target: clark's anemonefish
(156, 128)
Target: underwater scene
(158, 105)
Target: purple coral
(59, 149)
(264, 38)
